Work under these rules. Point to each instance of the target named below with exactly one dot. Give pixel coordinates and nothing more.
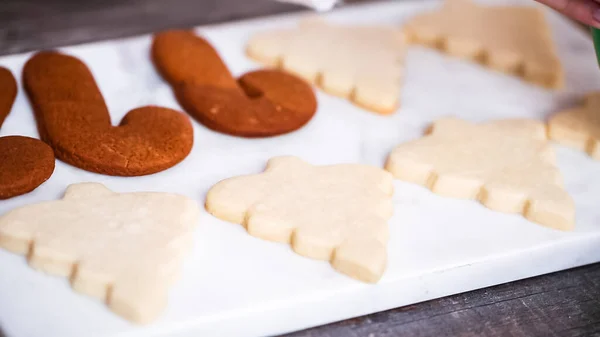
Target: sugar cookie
(74, 120)
(513, 39)
(336, 213)
(508, 166)
(361, 63)
(259, 104)
(123, 248)
(25, 163)
(579, 127)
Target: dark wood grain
(39, 24)
(560, 304)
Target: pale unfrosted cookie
(337, 213)
(511, 39)
(579, 127)
(507, 165)
(361, 63)
(125, 249)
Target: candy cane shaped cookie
(261, 103)
(74, 120)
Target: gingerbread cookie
(8, 93)
(512, 39)
(508, 166)
(336, 213)
(74, 120)
(123, 248)
(25, 163)
(579, 127)
(361, 63)
(259, 104)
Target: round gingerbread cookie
(25, 163)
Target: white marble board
(236, 285)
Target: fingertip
(584, 11)
(595, 22)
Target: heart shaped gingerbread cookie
(25, 163)
(74, 120)
(259, 104)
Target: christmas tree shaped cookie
(579, 127)
(512, 39)
(361, 63)
(336, 213)
(123, 248)
(507, 165)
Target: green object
(596, 37)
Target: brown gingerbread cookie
(25, 163)
(259, 104)
(74, 120)
(8, 93)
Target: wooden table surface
(561, 304)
